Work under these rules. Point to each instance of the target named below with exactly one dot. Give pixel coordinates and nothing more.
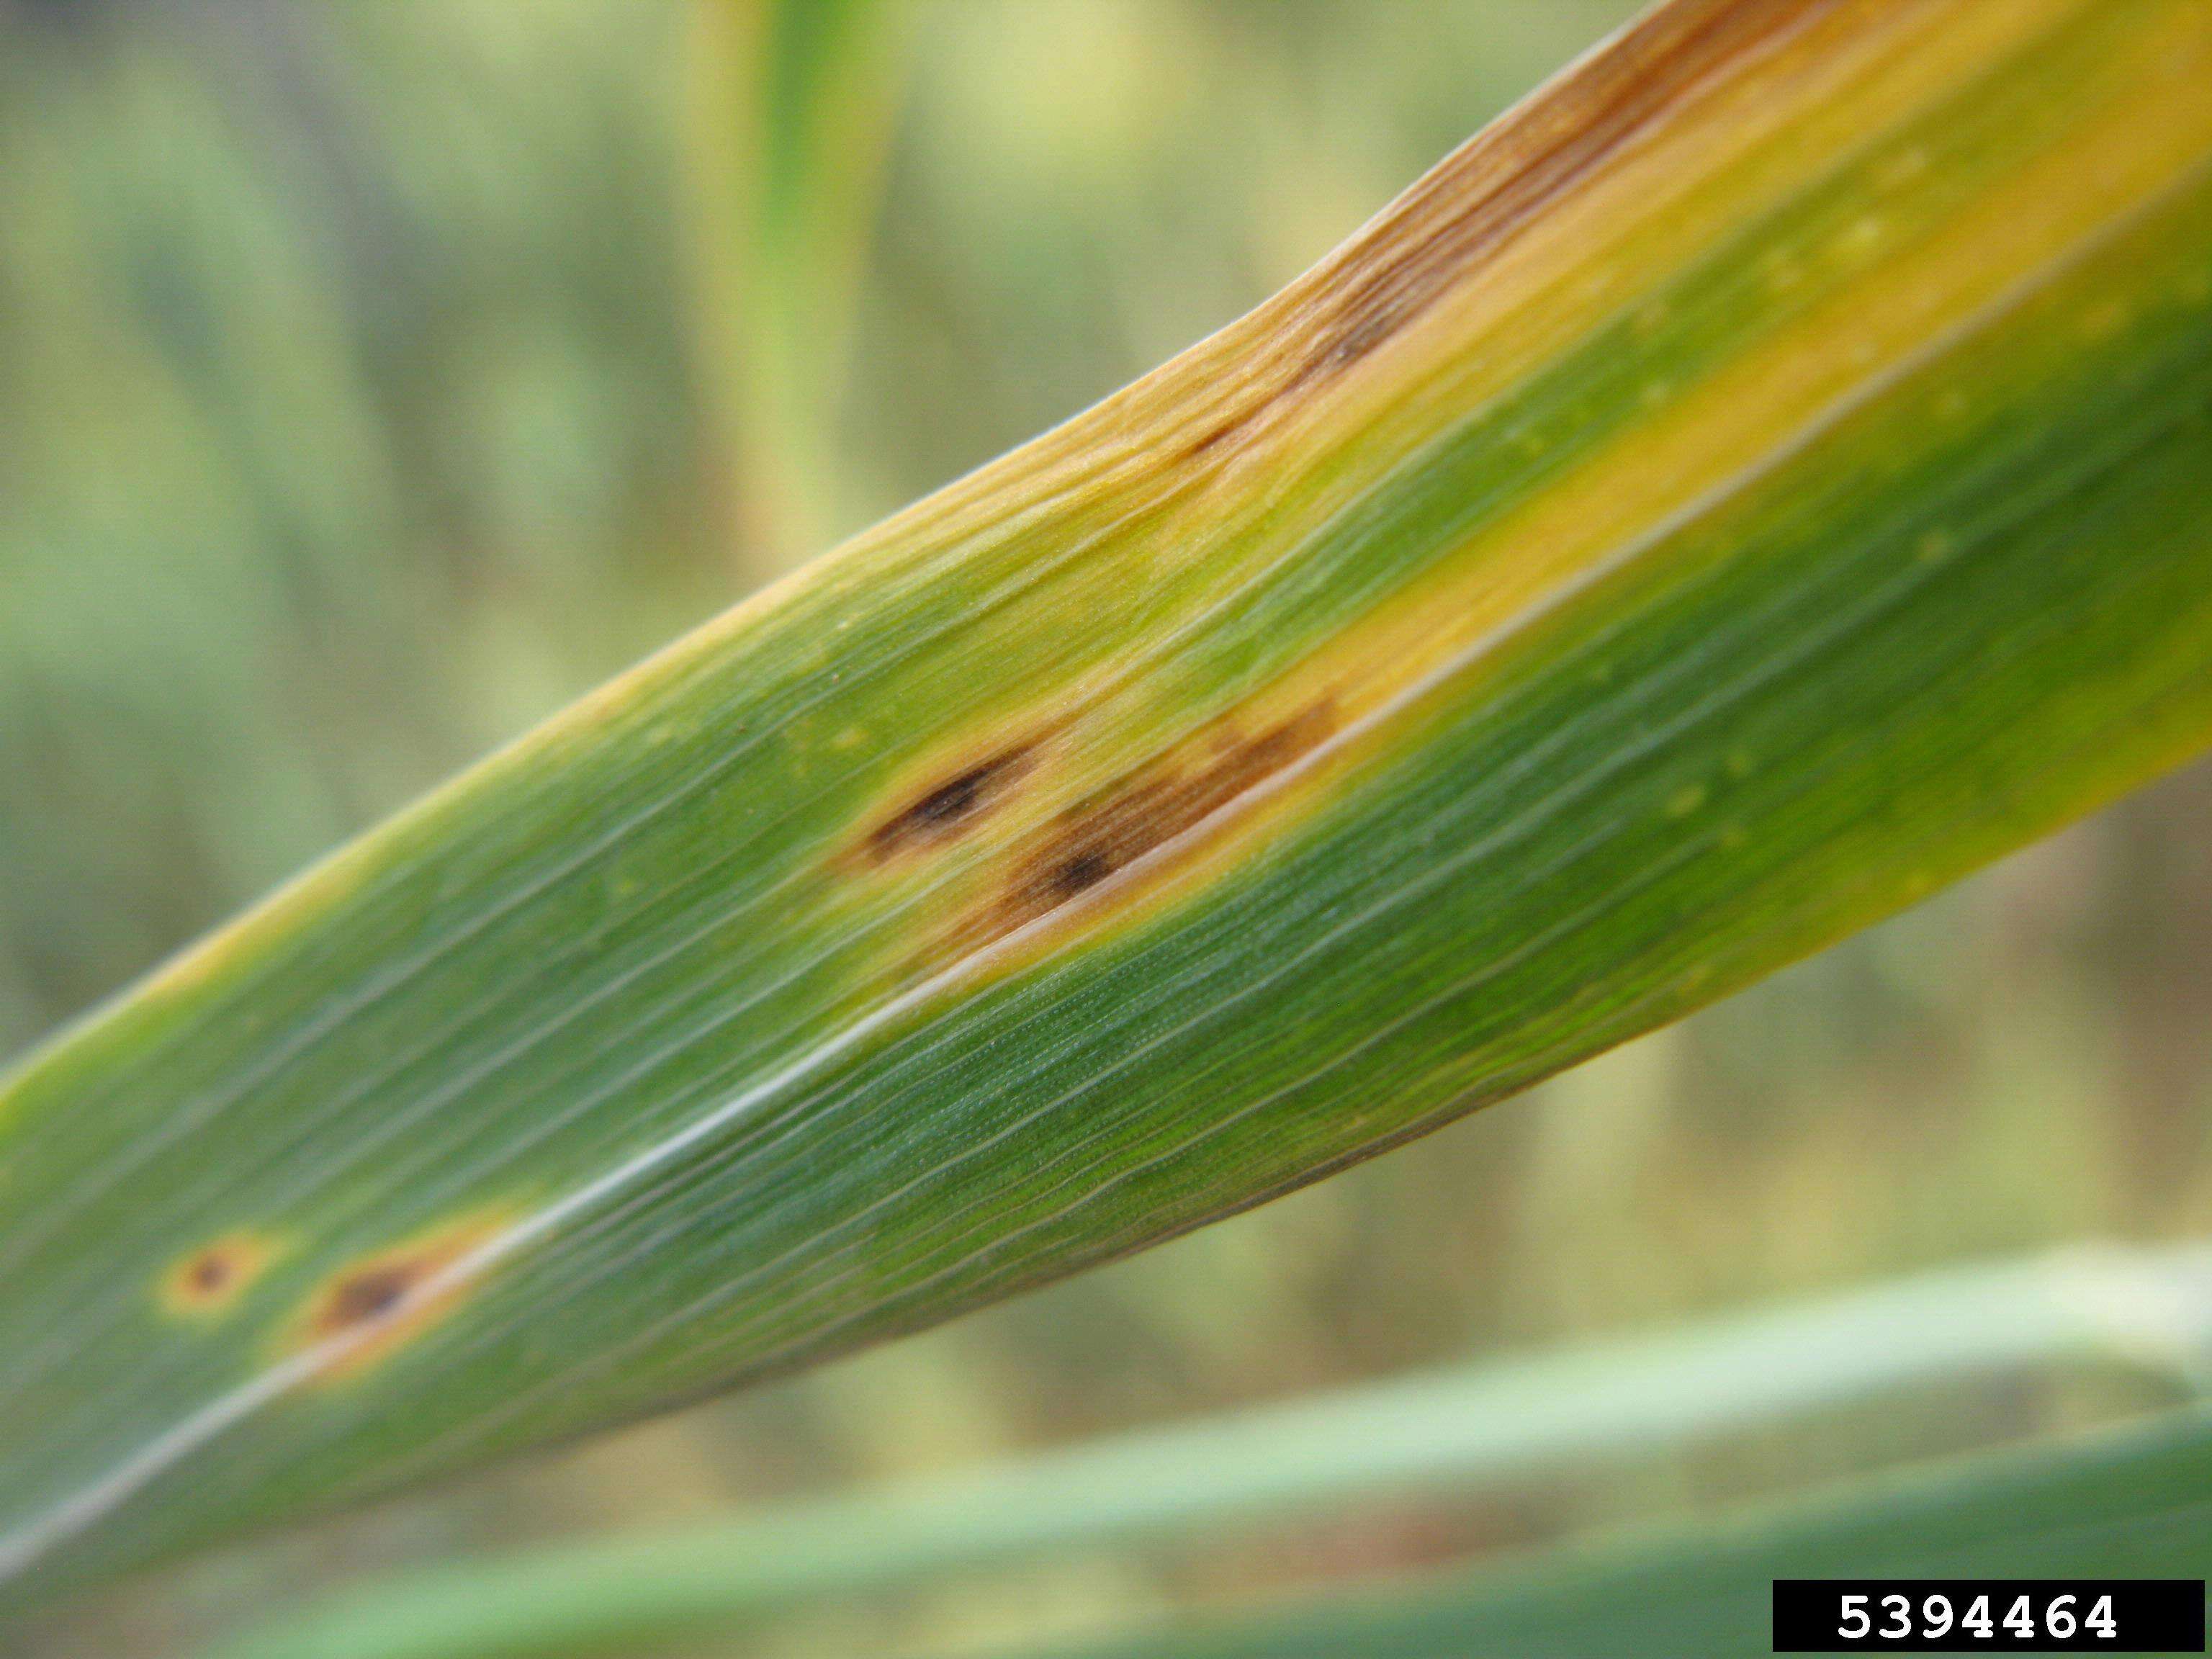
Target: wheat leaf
(1750, 485)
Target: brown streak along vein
(950, 809)
(1481, 198)
(1136, 815)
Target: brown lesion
(1441, 233)
(369, 1293)
(380, 1303)
(213, 1278)
(947, 810)
(1138, 815)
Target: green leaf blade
(1747, 488)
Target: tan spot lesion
(1017, 825)
(950, 806)
(214, 1278)
(378, 1303)
(1137, 815)
(1442, 236)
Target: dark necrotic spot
(1144, 811)
(1487, 194)
(1220, 433)
(211, 1273)
(944, 812)
(953, 802)
(366, 1295)
(1368, 320)
(378, 1304)
(1085, 869)
(215, 1275)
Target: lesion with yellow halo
(369, 1307)
(213, 1278)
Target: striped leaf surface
(1748, 486)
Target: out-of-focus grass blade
(2133, 1504)
(791, 108)
(1752, 484)
(1442, 1434)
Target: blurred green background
(374, 378)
